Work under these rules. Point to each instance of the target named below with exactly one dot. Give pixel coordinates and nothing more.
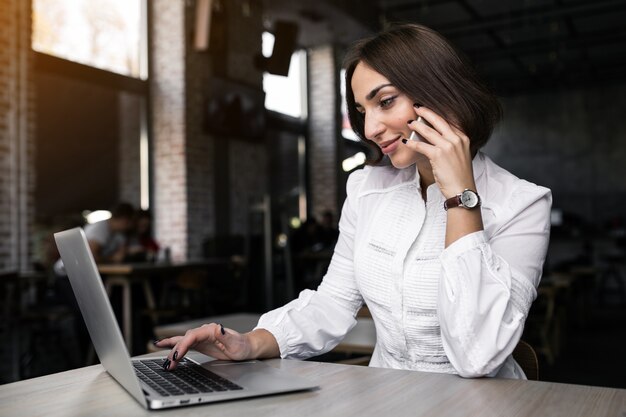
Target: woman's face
(386, 111)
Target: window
(91, 59)
(107, 34)
(286, 95)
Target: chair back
(526, 357)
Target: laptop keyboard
(187, 378)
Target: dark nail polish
(409, 122)
(222, 329)
(404, 141)
(155, 341)
(417, 105)
(176, 355)
(166, 364)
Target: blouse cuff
(274, 322)
(278, 334)
(464, 244)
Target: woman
(444, 247)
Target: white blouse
(458, 310)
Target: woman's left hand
(448, 150)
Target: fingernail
(175, 355)
(155, 341)
(409, 122)
(222, 329)
(404, 141)
(166, 364)
(417, 105)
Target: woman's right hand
(212, 340)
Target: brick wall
(201, 173)
(129, 152)
(16, 136)
(6, 200)
(184, 155)
(323, 129)
(168, 41)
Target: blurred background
(224, 121)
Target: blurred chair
(611, 280)
(36, 331)
(526, 357)
(543, 325)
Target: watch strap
(452, 202)
(457, 200)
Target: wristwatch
(468, 199)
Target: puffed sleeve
(489, 282)
(317, 321)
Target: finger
(414, 135)
(438, 123)
(427, 132)
(168, 342)
(223, 338)
(424, 148)
(458, 132)
(191, 338)
(448, 143)
(234, 344)
(220, 346)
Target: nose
(373, 127)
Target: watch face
(469, 199)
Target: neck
(427, 177)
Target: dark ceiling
(518, 46)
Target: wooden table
(125, 275)
(344, 391)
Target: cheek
(405, 112)
(401, 120)
(403, 158)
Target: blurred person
(142, 245)
(108, 238)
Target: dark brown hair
(430, 71)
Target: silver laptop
(192, 382)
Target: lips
(390, 145)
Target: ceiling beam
(511, 19)
(576, 76)
(533, 16)
(367, 13)
(603, 38)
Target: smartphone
(417, 137)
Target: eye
(386, 102)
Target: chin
(402, 161)
(400, 165)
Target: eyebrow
(373, 93)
